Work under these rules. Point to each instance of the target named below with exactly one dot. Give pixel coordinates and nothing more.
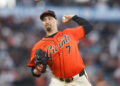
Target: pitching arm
(86, 25)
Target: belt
(72, 78)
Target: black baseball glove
(41, 58)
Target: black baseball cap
(47, 13)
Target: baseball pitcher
(59, 51)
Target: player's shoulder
(39, 43)
(67, 30)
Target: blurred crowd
(110, 3)
(101, 54)
(89, 3)
(17, 36)
(100, 51)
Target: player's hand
(36, 72)
(67, 18)
(41, 60)
(38, 69)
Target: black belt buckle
(67, 80)
(82, 73)
(71, 79)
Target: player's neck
(51, 33)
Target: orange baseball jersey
(62, 49)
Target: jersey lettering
(65, 40)
(52, 49)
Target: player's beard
(48, 29)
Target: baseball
(63, 18)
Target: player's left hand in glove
(40, 62)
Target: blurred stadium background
(20, 29)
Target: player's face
(49, 23)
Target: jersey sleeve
(77, 32)
(37, 46)
(31, 62)
(32, 59)
(83, 22)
